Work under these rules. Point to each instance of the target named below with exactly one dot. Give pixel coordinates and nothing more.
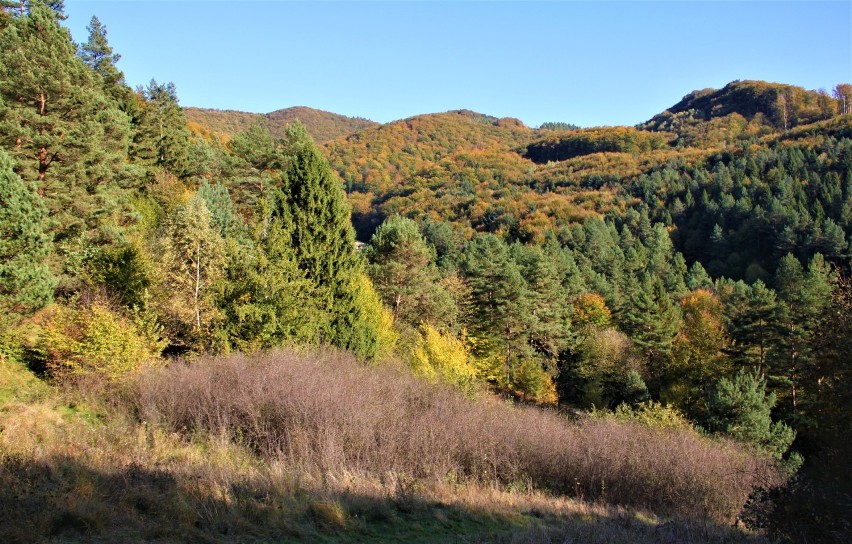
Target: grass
(78, 466)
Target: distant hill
(323, 126)
(461, 167)
(741, 110)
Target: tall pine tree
(57, 123)
(25, 280)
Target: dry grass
(79, 466)
(326, 414)
(64, 479)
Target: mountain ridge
(322, 125)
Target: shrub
(741, 408)
(651, 414)
(327, 412)
(95, 339)
(442, 356)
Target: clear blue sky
(602, 63)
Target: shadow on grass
(62, 500)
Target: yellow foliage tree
(439, 356)
(95, 340)
(378, 316)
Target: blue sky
(601, 63)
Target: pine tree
(742, 409)
(651, 320)
(98, 55)
(100, 58)
(161, 138)
(752, 316)
(804, 298)
(549, 323)
(26, 283)
(404, 276)
(55, 120)
(501, 311)
(697, 277)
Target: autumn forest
(221, 326)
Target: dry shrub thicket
(325, 412)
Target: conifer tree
(26, 283)
(259, 156)
(741, 408)
(55, 120)
(651, 320)
(697, 277)
(313, 211)
(404, 276)
(161, 138)
(549, 320)
(98, 55)
(752, 318)
(266, 299)
(500, 302)
(804, 298)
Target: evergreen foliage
(405, 277)
(314, 215)
(161, 138)
(26, 282)
(652, 320)
(740, 407)
(55, 120)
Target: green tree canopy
(314, 214)
(26, 283)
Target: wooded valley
(222, 326)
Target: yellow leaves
(380, 318)
(94, 339)
(441, 356)
(590, 310)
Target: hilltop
(323, 126)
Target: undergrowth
(115, 463)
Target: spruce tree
(266, 299)
(313, 211)
(26, 283)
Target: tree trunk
(198, 286)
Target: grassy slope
(77, 466)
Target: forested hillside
(682, 285)
(323, 126)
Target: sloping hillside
(741, 110)
(323, 126)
